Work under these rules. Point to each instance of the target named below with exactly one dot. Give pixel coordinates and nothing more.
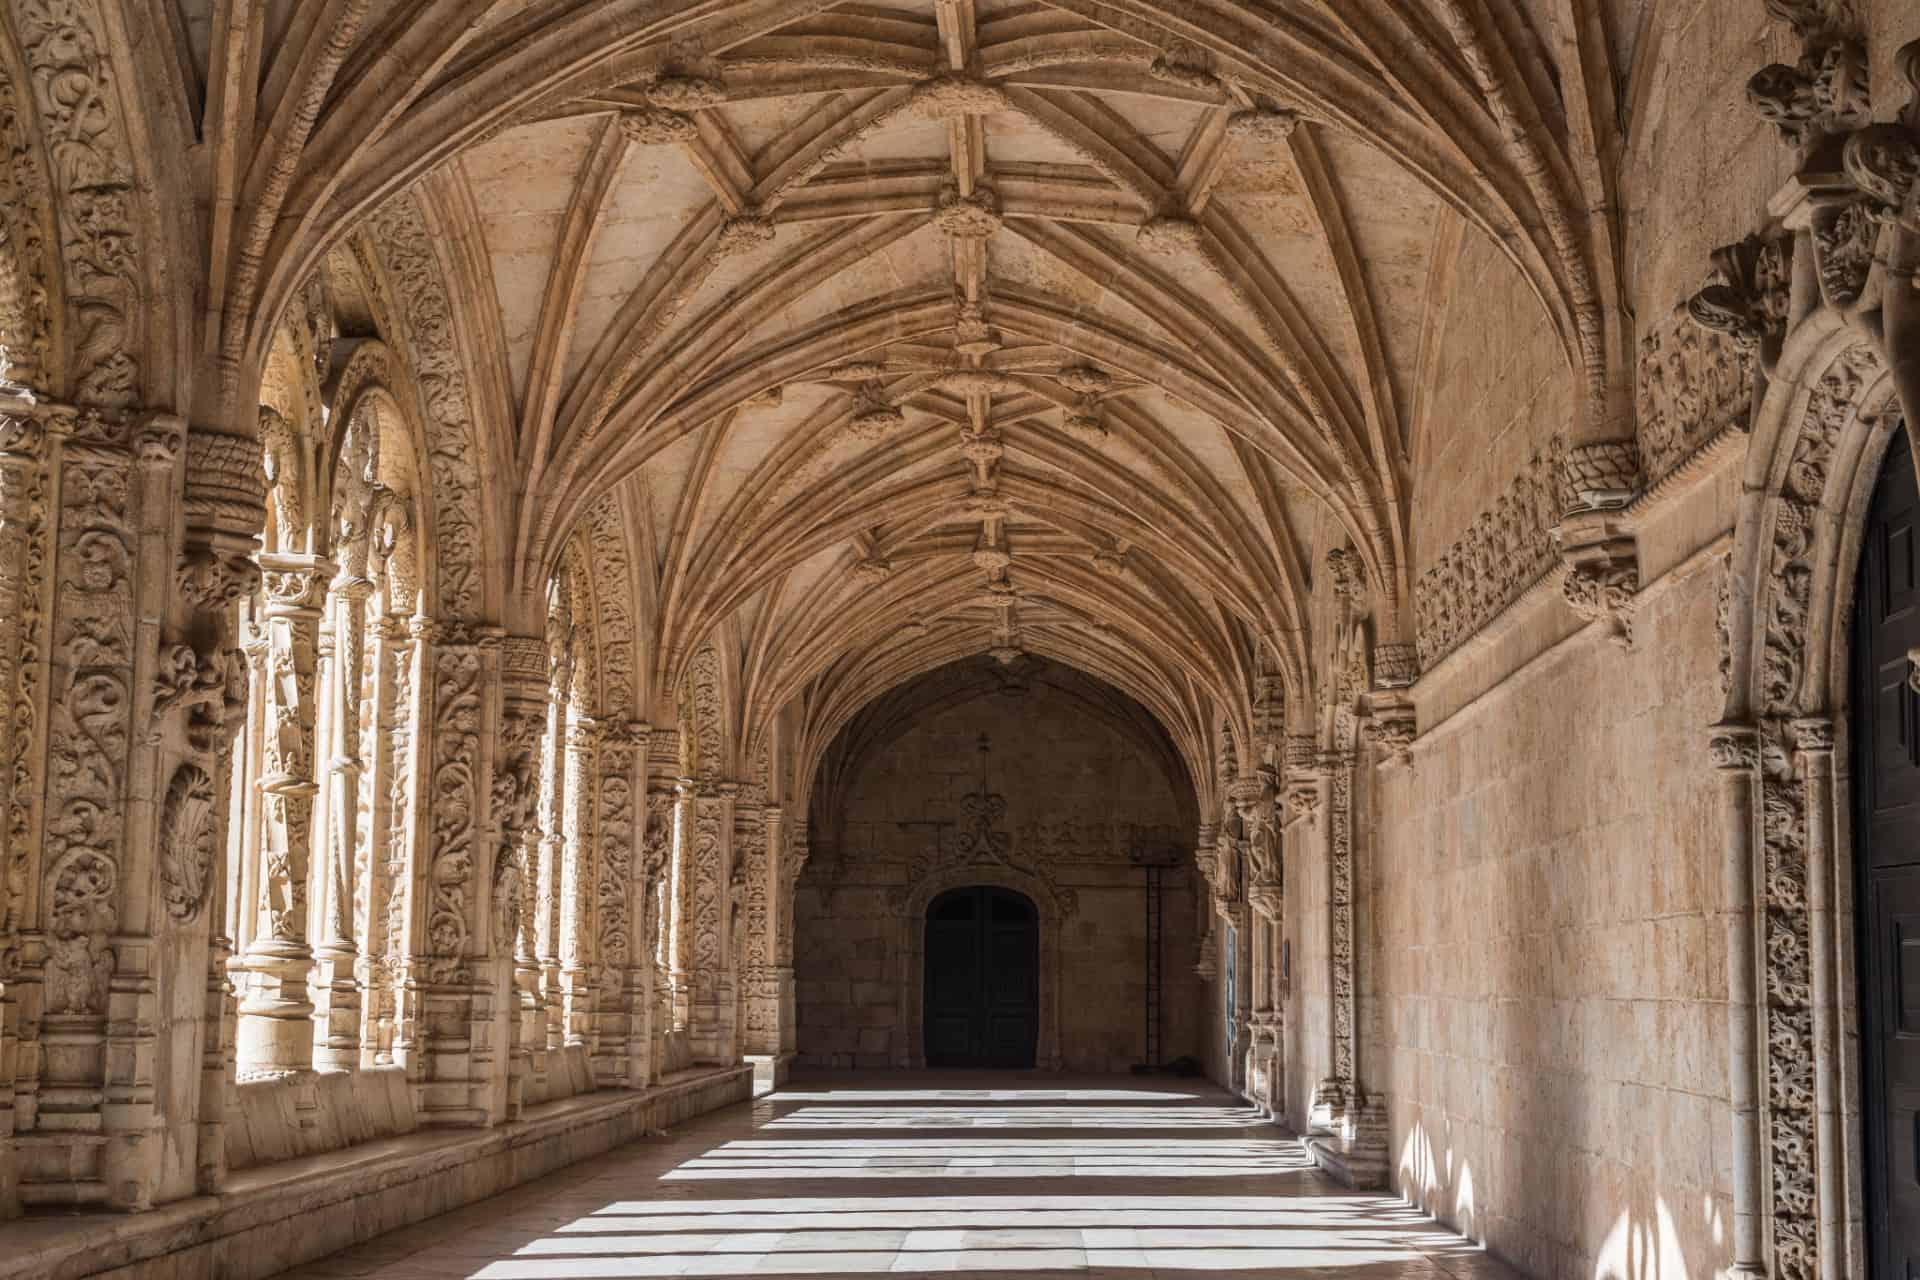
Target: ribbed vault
(905, 330)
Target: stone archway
(1828, 418)
(909, 912)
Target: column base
(1353, 1151)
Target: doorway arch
(910, 911)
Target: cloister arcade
(557, 556)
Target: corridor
(929, 1174)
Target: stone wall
(1079, 795)
(1550, 954)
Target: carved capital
(1813, 735)
(1734, 746)
(294, 584)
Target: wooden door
(1886, 774)
(982, 979)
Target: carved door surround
(909, 916)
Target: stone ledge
(345, 1197)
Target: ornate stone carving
(1824, 91)
(1508, 548)
(1270, 126)
(454, 792)
(744, 233)
(1750, 302)
(1601, 476)
(973, 217)
(1693, 384)
(657, 128)
(187, 838)
(946, 96)
(26, 227)
(1604, 590)
(1395, 666)
(80, 116)
(454, 452)
(89, 726)
(1347, 575)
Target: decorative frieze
(1694, 384)
(1508, 548)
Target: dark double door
(1886, 773)
(982, 979)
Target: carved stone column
(337, 986)
(456, 1048)
(1735, 753)
(656, 864)
(553, 798)
(792, 863)
(276, 1028)
(755, 825)
(1813, 740)
(710, 873)
(392, 716)
(1206, 854)
(23, 518)
(680, 904)
(579, 833)
(516, 783)
(622, 1013)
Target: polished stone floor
(930, 1174)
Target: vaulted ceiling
(914, 329)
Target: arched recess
(910, 944)
(1823, 429)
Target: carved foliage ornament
(187, 843)
(80, 116)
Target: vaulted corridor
(917, 1174)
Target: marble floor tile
(937, 1175)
